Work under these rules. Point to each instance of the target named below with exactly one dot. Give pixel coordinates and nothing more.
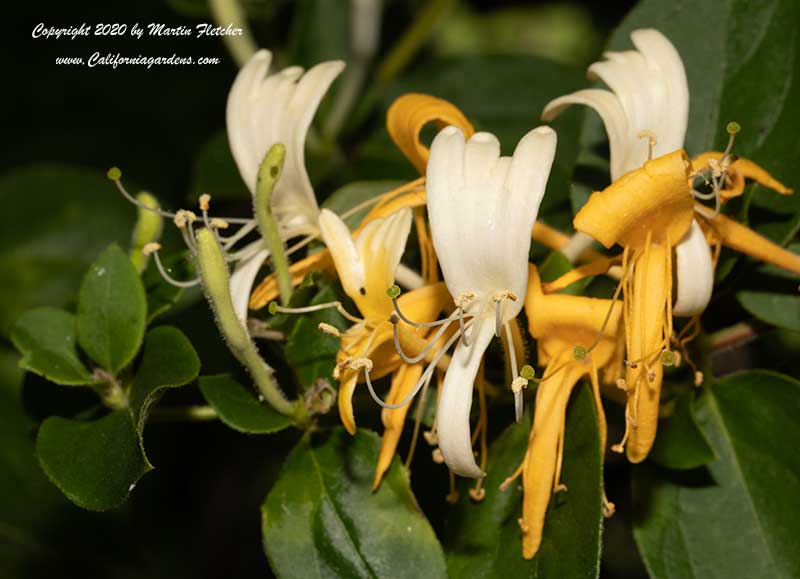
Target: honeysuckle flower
(366, 265)
(264, 109)
(482, 208)
(650, 210)
(558, 322)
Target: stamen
(274, 308)
(431, 437)
(417, 422)
(518, 383)
(230, 241)
(426, 376)
(413, 360)
(394, 292)
(168, 278)
(698, 378)
(651, 142)
(205, 200)
(437, 456)
(498, 299)
(219, 223)
(329, 330)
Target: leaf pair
(96, 463)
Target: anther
(560, 488)
(651, 141)
(622, 384)
(477, 494)
(437, 456)
(151, 247)
(698, 378)
(358, 363)
(651, 376)
(205, 200)
(523, 527)
(431, 437)
(219, 223)
(518, 384)
(464, 299)
(184, 217)
(329, 329)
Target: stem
(268, 175)
(216, 282)
(412, 40)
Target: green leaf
(680, 443)
(347, 197)
(321, 519)
(46, 339)
(169, 361)
(554, 266)
(111, 310)
(239, 408)
(777, 309)
(56, 219)
(733, 518)
(483, 540)
(95, 464)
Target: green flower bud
(148, 228)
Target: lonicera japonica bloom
(264, 109)
(481, 208)
(650, 210)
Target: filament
(275, 308)
(413, 360)
(426, 376)
(171, 280)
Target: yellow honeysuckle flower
(558, 322)
(366, 265)
(650, 210)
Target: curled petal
(738, 171)
(743, 239)
(456, 401)
(694, 273)
(409, 113)
(655, 198)
(539, 472)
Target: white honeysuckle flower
(366, 265)
(691, 256)
(650, 96)
(646, 115)
(264, 109)
(481, 207)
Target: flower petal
(482, 208)
(650, 93)
(456, 401)
(266, 109)
(694, 273)
(345, 256)
(409, 113)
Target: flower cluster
(474, 216)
